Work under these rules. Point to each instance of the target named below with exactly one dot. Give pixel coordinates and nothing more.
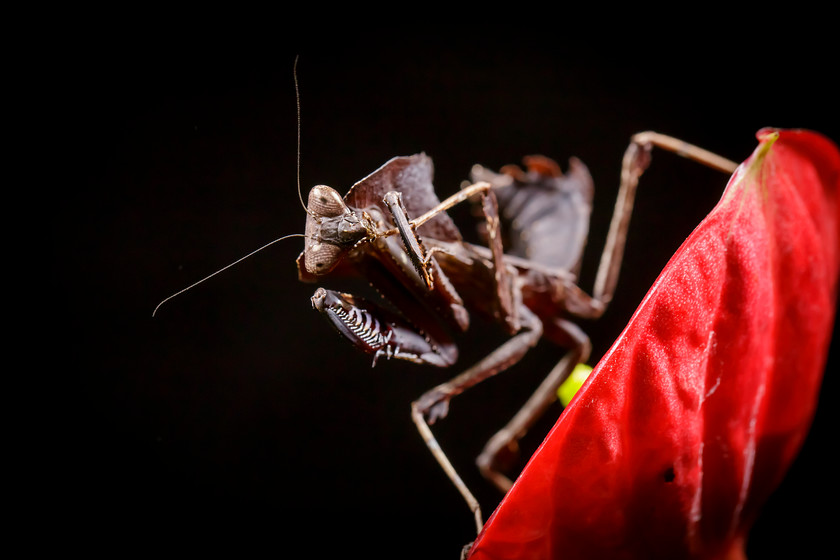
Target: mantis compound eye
(321, 258)
(325, 201)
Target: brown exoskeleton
(392, 230)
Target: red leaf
(692, 418)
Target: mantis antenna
(237, 261)
(297, 101)
(300, 197)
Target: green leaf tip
(766, 138)
(753, 168)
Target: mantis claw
(434, 406)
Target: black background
(237, 416)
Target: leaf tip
(768, 134)
(766, 138)
(754, 166)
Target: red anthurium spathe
(690, 421)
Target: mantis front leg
(407, 227)
(503, 289)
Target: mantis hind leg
(636, 160)
(503, 447)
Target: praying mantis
(391, 229)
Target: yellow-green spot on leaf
(572, 383)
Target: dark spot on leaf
(669, 474)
